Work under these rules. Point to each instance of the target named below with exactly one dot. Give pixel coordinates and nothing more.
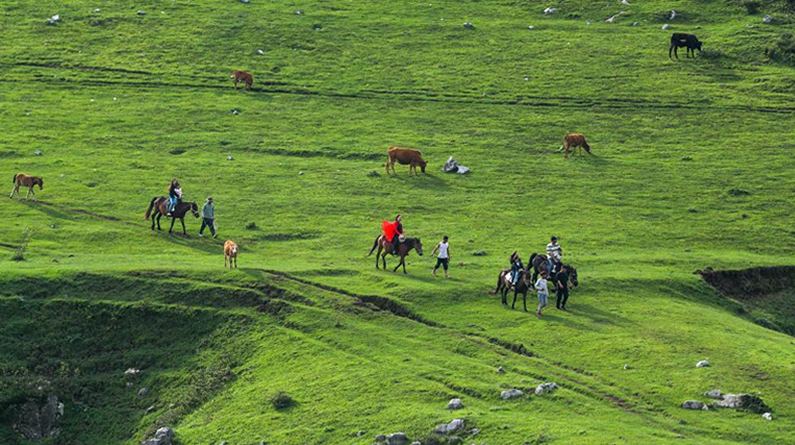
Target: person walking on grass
(543, 291)
(444, 256)
(208, 217)
(562, 284)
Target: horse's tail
(14, 181)
(530, 261)
(149, 210)
(375, 244)
(499, 285)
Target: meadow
(691, 168)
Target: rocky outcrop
(38, 419)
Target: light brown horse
(242, 76)
(576, 140)
(160, 206)
(28, 181)
(385, 247)
(230, 253)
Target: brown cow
(404, 156)
(242, 76)
(230, 253)
(575, 140)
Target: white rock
(38, 153)
(259, 51)
(299, 12)
(634, 24)
(624, 2)
(550, 10)
(693, 404)
(500, 370)
(702, 364)
(141, 12)
(230, 158)
(96, 10)
(531, 27)
(453, 426)
(626, 367)
(767, 19)
(235, 112)
(767, 416)
(511, 394)
(468, 25)
(397, 439)
(300, 173)
(455, 404)
(244, 1)
(545, 388)
(665, 26)
(673, 15)
(714, 394)
(132, 373)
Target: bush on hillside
(282, 400)
(752, 6)
(783, 50)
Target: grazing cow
(679, 40)
(230, 253)
(404, 156)
(242, 76)
(575, 140)
(21, 179)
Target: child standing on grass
(444, 256)
(543, 291)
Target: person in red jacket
(393, 231)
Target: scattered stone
(299, 12)
(416, 443)
(150, 409)
(693, 404)
(545, 388)
(500, 370)
(449, 428)
(664, 27)
(613, 18)
(380, 438)
(626, 367)
(38, 153)
(230, 158)
(260, 52)
(530, 27)
(235, 111)
(96, 10)
(767, 19)
(550, 10)
(673, 15)
(452, 166)
(624, 2)
(473, 432)
(37, 421)
(511, 394)
(714, 394)
(468, 25)
(634, 24)
(54, 19)
(455, 404)
(397, 439)
(300, 173)
(163, 436)
(745, 402)
(702, 364)
(143, 392)
(132, 373)
(244, 1)
(141, 12)
(223, 442)
(767, 416)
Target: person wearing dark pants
(208, 217)
(562, 284)
(444, 256)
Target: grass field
(691, 168)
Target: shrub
(783, 50)
(251, 225)
(752, 6)
(282, 400)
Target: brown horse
(160, 205)
(242, 76)
(576, 140)
(504, 285)
(539, 263)
(21, 179)
(403, 250)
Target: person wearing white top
(554, 254)
(543, 292)
(444, 256)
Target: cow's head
(422, 165)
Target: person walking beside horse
(543, 292)
(444, 256)
(21, 179)
(208, 217)
(562, 287)
(159, 207)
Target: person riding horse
(516, 267)
(554, 256)
(174, 195)
(394, 232)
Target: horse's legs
(28, 194)
(173, 220)
(11, 196)
(159, 215)
(403, 261)
(515, 293)
(153, 220)
(34, 194)
(182, 220)
(676, 52)
(524, 300)
(224, 261)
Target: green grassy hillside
(691, 167)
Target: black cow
(679, 40)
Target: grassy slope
(636, 218)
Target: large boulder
(745, 402)
(702, 364)
(38, 419)
(545, 388)
(511, 394)
(693, 404)
(397, 439)
(455, 404)
(163, 436)
(449, 428)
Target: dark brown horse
(21, 179)
(504, 285)
(539, 263)
(160, 205)
(403, 250)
